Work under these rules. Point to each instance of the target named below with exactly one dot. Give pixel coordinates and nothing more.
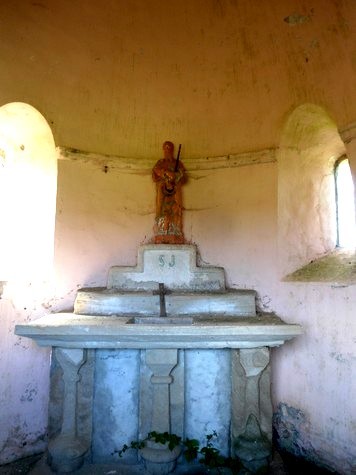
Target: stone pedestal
(251, 422)
(159, 459)
(67, 450)
(174, 265)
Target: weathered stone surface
(176, 394)
(116, 404)
(67, 450)
(253, 448)
(251, 415)
(233, 303)
(208, 396)
(159, 459)
(82, 331)
(85, 398)
(251, 390)
(161, 363)
(175, 266)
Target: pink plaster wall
(316, 372)
(103, 217)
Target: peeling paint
(264, 303)
(297, 19)
(292, 428)
(20, 442)
(293, 432)
(140, 166)
(29, 394)
(343, 358)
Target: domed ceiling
(219, 76)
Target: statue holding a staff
(169, 175)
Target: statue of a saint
(169, 175)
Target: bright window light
(345, 205)
(28, 183)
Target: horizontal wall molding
(134, 165)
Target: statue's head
(168, 149)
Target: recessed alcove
(310, 145)
(28, 186)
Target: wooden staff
(177, 160)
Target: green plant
(208, 455)
(159, 437)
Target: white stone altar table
(204, 366)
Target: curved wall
(28, 176)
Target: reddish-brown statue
(169, 175)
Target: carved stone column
(348, 135)
(251, 421)
(159, 459)
(67, 450)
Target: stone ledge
(67, 330)
(338, 267)
(232, 303)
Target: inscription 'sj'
(162, 261)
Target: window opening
(28, 183)
(345, 204)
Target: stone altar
(120, 370)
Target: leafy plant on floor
(208, 455)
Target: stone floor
(35, 465)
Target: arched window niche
(28, 186)
(307, 227)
